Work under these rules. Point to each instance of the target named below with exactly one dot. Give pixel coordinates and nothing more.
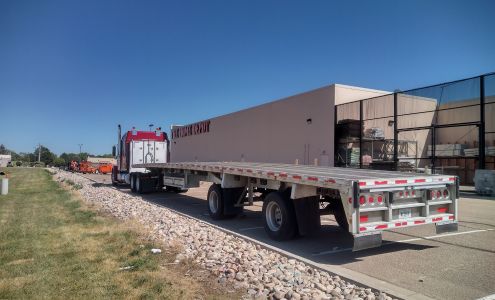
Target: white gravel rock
(240, 263)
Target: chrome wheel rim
(213, 202)
(274, 217)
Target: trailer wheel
(132, 180)
(139, 184)
(280, 219)
(114, 175)
(215, 202)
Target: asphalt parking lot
(458, 265)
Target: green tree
(69, 157)
(46, 156)
(59, 162)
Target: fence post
(481, 128)
(361, 127)
(396, 135)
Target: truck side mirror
(114, 151)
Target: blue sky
(70, 71)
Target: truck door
(137, 154)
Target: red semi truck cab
(138, 147)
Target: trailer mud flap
(230, 198)
(308, 215)
(448, 227)
(366, 241)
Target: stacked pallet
(489, 151)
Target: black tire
(339, 214)
(139, 184)
(133, 182)
(114, 176)
(215, 202)
(280, 225)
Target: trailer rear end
(364, 202)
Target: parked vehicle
(104, 169)
(85, 167)
(137, 147)
(364, 202)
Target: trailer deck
(330, 177)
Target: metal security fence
(447, 128)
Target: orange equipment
(86, 167)
(105, 169)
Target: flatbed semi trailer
(364, 202)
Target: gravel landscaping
(242, 264)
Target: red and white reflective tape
(402, 223)
(405, 181)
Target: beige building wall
(297, 128)
(465, 135)
(102, 160)
(347, 93)
(300, 128)
(280, 132)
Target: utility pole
(39, 152)
(80, 146)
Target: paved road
(449, 266)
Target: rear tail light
(371, 199)
(363, 218)
(440, 194)
(405, 194)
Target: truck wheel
(215, 202)
(139, 184)
(114, 176)
(280, 218)
(340, 217)
(133, 182)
